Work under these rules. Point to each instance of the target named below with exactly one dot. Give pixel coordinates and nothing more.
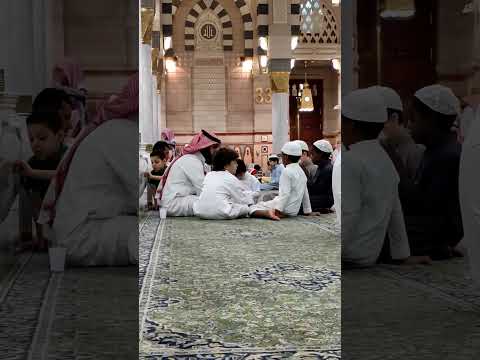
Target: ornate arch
(193, 16)
(246, 19)
(247, 26)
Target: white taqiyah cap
(439, 98)
(364, 105)
(390, 97)
(323, 145)
(303, 145)
(292, 148)
(273, 156)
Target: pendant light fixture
(306, 103)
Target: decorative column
(280, 53)
(147, 12)
(280, 107)
(156, 80)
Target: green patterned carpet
(241, 287)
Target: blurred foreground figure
(92, 202)
(371, 210)
(470, 196)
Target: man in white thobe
(183, 180)
(96, 214)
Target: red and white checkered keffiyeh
(199, 142)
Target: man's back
(185, 177)
(370, 194)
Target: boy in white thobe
(223, 196)
(183, 179)
(293, 192)
(370, 203)
(249, 181)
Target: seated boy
(293, 192)
(276, 170)
(159, 164)
(250, 182)
(223, 195)
(320, 184)
(46, 138)
(371, 210)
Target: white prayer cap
(273, 156)
(390, 97)
(439, 98)
(303, 145)
(292, 148)
(364, 105)
(323, 145)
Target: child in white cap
(320, 184)
(371, 210)
(293, 192)
(306, 162)
(395, 138)
(431, 201)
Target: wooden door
(407, 48)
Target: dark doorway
(404, 59)
(307, 126)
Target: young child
(293, 192)
(159, 164)
(276, 170)
(223, 195)
(46, 135)
(250, 182)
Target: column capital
(147, 16)
(280, 81)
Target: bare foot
(272, 215)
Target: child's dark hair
(443, 122)
(50, 100)
(368, 130)
(293, 159)
(161, 146)
(223, 157)
(241, 168)
(160, 154)
(257, 167)
(323, 154)
(49, 119)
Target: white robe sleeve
(123, 169)
(196, 174)
(237, 191)
(307, 207)
(284, 191)
(352, 202)
(397, 233)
